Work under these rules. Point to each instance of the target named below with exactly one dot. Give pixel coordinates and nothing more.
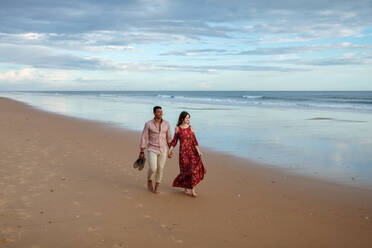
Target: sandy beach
(68, 182)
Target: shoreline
(67, 177)
(315, 175)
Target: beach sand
(67, 182)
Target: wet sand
(67, 182)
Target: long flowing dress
(191, 166)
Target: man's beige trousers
(156, 165)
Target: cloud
(249, 68)
(33, 75)
(348, 59)
(334, 61)
(121, 25)
(93, 42)
(20, 75)
(200, 36)
(301, 49)
(270, 50)
(191, 19)
(194, 52)
(41, 57)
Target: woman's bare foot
(149, 186)
(186, 191)
(193, 193)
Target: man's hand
(141, 155)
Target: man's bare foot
(149, 185)
(156, 191)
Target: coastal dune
(69, 182)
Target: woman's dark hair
(182, 117)
(155, 108)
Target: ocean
(324, 134)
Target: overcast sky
(186, 45)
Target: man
(156, 136)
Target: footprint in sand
(23, 214)
(63, 186)
(170, 228)
(6, 240)
(94, 230)
(178, 241)
(118, 246)
(3, 202)
(76, 203)
(21, 181)
(7, 230)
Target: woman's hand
(198, 150)
(170, 153)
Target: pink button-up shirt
(155, 140)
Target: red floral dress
(191, 166)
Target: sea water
(320, 133)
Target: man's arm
(169, 137)
(144, 138)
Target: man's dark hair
(155, 108)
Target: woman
(191, 166)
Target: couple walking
(156, 136)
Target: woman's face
(186, 120)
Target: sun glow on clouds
(33, 75)
(31, 36)
(20, 75)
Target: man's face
(158, 114)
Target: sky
(185, 45)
